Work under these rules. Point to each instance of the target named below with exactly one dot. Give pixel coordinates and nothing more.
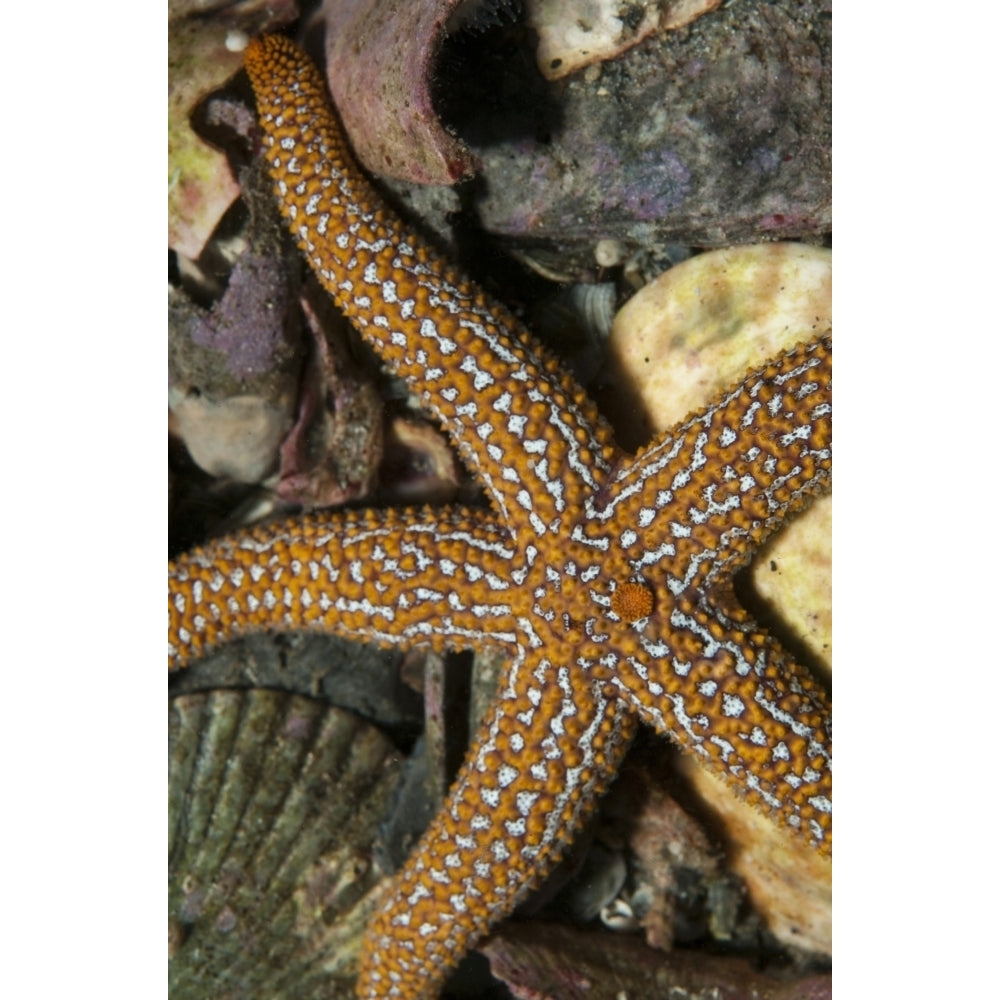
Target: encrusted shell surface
(274, 802)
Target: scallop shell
(274, 803)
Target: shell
(573, 34)
(203, 54)
(550, 960)
(274, 803)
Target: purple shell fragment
(379, 58)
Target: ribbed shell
(274, 803)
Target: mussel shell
(274, 804)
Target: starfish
(605, 577)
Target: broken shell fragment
(702, 324)
(576, 34)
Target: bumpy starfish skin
(607, 578)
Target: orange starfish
(605, 577)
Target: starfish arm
(497, 393)
(705, 495)
(729, 693)
(434, 577)
(532, 776)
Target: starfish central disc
(632, 601)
